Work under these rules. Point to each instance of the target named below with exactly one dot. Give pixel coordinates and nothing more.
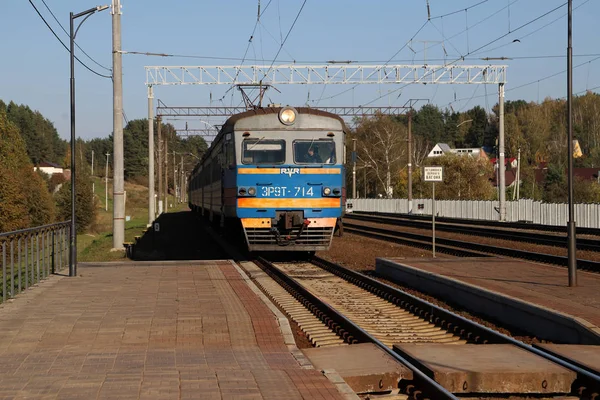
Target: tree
(85, 210)
(135, 143)
(465, 178)
(40, 135)
(382, 145)
(24, 197)
(13, 202)
(429, 124)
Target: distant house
(442, 148)
(439, 150)
(49, 168)
(512, 161)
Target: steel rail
(427, 309)
(410, 239)
(589, 265)
(498, 224)
(350, 332)
(506, 234)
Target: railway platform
(534, 298)
(160, 330)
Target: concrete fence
(586, 215)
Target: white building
(49, 168)
(439, 150)
(442, 148)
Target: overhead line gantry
(335, 74)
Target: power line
(61, 42)
(395, 54)
(300, 62)
(457, 11)
(65, 31)
(285, 39)
(468, 27)
(538, 29)
(479, 48)
(533, 82)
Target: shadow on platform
(176, 236)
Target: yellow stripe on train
(324, 202)
(277, 171)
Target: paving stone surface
(177, 331)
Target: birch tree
(382, 145)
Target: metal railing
(30, 255)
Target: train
(276, 177)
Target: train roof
(231, 121)
(275, 110)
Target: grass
(96, 244)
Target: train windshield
(314, 152)
(263, 151)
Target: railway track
(359, 309)
(501, 232)
(462, 248)
(477, 222)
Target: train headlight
(326, 191)
(251, 191)
(287, 115)
(242, 191)
(337, 192)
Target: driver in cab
(311, 157)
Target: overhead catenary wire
(285, 39)
(479, 48)
(461, 10)
(79, 47)
(64, 45)
(467, 28)
(536, 30)
(532, 82)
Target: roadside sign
(433, 174)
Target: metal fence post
(20, 286)
(27, 262)
(12, 268)
(37, 258)
(43, 269)
(53, 239)
(3, 272)
(32, 282)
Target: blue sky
(35, 67)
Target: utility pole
(572, 247)
(410, 161)
(151, 214)
(354, 168)
(166, 191)
(518, 173)
(106, 185)
(160, 165)
(181, 187)
(174, 178)
(501, 166)
(93, 183)
(118, 164)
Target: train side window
(263, 151)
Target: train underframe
(288, 231)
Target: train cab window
(263, 151)
(314, 152)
